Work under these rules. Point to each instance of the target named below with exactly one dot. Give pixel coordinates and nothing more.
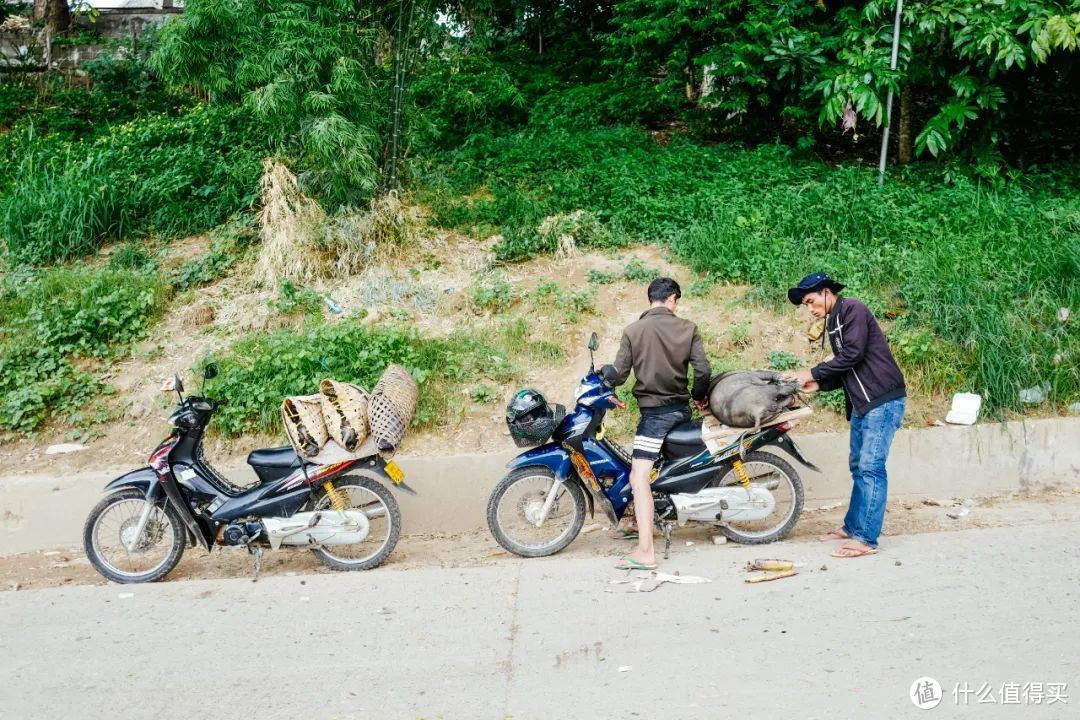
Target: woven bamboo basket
(304, 423)
(345, 408)
(391, 407)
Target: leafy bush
(227, 246)
(491, 294)
(258, 371)
(315, 72)
(293, 300)
(36, 381)
(165, 175)
(458, 92)
(782, 360)
(81, 310)
(832, 400)
(52, 316)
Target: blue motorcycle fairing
(605, 464)
(550, 456)
(593, 393)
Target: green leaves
(315, 72)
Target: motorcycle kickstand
(665, 530)
(256, 552)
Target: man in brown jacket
(658, 347)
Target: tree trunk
(906, 108)
(57, 16)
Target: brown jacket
(658, 347)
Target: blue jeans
(871, 436)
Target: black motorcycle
(338, 508)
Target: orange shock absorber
(335, 497)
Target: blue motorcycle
(722, 478)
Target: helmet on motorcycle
(529, 418)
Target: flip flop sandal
(629, 563)
(852, 552)
(623, 534)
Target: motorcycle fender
(788, 445)
(556, 459)
(143, 479)
(550, 456)
(146, 480)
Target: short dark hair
(662, 288)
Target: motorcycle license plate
(394, 472)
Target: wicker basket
(345, 408)
(304, 423)
(392, 406)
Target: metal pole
(888, 101)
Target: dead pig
(749, 398)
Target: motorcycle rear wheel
(371, 496)
(764, 467)
(516, 502)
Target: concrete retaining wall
(38, 512)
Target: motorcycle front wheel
(114, 551)
(517, 503)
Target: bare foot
(837, 534)
(853, 549)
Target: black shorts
(653, 427)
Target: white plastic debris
(958, 512)
(1063, 314)
(689, 543)
(64, 448)
(625, 668)
(125, 596)
(719, 540)
(1075, 408)
(591, 528)
(649, 581)
(965, 409)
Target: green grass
(60, 200)
(977, 272)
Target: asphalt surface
(553, 638)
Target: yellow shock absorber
(335, 497)
(740, 473)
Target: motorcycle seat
(687, 433)
(279, 457)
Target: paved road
(552, 638)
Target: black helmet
(529, 418)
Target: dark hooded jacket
(862, 363)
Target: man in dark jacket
(658, 347)
(863, 366)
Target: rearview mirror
(594, 342)
(210, 371)
(173, 384)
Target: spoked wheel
(384, 516)
(778, 477)
(114, 550)
(517, 503)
